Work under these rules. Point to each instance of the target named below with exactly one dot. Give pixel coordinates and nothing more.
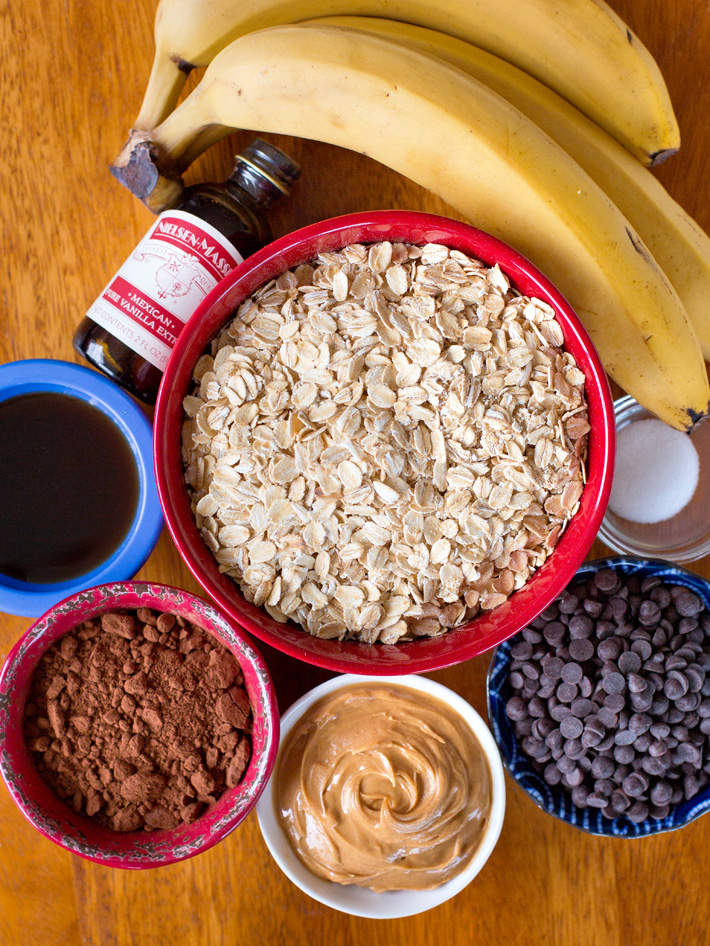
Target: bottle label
(179, 260)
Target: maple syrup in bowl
(79, 505)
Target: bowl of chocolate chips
(138, 726)
(601, 705)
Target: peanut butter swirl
(384, 787)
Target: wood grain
(71, 81)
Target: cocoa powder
(139, 719)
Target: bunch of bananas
(536, 121)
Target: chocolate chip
(581, 649)
(580, 627)
(592, 608)
(572, 673)
(575, 777)
(676, 685)
(687, 752)
(624, 754)
(559, 711)
(607, 580)
(607, 718)
(629, 662)
(654, 766)
(581, 707)
(624, 737)
(566, 692)
(530, 670)
(579, 796)
(537, 707)
(619, 801)
(565, 764)
(687, 604)
(641, 702)
(636, 683)
(602, 767)
(553, 667)
(609, 649)
(614, 683)
(573, 749)
(571, 727)
(554, 633)
(640, 723)
(567, 602)
(635, 784)
(695, 676)
(591, 738)
(688, 703)
(516, 708)
(614, 702)
(533, 747)
(522, 650)
(661, 793)
(649, 612)
(638, 812)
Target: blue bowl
(557, 801)
(46, 375)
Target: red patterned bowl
(489, 628)
(79, 834)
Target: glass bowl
(684, 537)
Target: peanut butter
(384, 787)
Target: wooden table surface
(71, 81)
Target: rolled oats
(385, 442)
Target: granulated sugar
(656, 472)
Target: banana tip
(658, 157)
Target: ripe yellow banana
(677, 243)
(580, 48)
(448, 132)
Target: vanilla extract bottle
(130, 330)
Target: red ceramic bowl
(489, 628)
(79, 834)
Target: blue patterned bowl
(557, 801)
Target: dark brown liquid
(69, 487)
(245, 231)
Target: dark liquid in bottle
(235, 208)
(70, 487)
(120, 363)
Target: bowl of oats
(384, 443)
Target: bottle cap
(271, 163)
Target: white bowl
(360, 901)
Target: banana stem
(202, 141)
(186, 133)
(166, 81)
